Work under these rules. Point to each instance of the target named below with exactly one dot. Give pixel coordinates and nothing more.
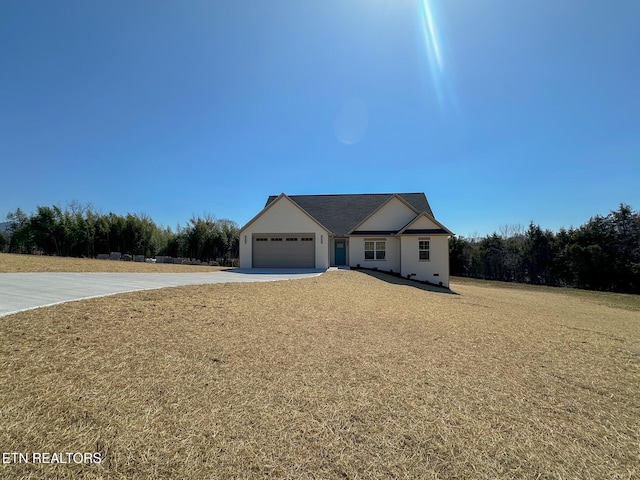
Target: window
(306, 239)
(276, 239)
(292, 239)
(423, 249)
(369, 248)
(260, 239)
(375, 249)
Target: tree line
(80, 231)
(603, 254)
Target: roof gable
(342, 213)
(281, 200)
(424, 223)
(392, 215)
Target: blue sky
(502, 112)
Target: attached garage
(291, 250)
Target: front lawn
(339, 376)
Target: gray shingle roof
(340, 213)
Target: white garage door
(293, 250)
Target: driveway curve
(25, 291)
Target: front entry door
(341, 252)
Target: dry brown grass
(339, 376)
(12, 263)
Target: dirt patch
(635, 350)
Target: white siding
(425, 270)
(423, 223)
(391, 262)
(284, 217)
(392, 216)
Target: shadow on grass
(397, 280)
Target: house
(389, 232)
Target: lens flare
(432, 38)
(352, 121)
(433, 44)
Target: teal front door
(340, 252)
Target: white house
(389, 232)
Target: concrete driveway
(24, 291)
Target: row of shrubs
(80, 231)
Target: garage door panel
(284, 251)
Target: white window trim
(428, 250)
(376, 242)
